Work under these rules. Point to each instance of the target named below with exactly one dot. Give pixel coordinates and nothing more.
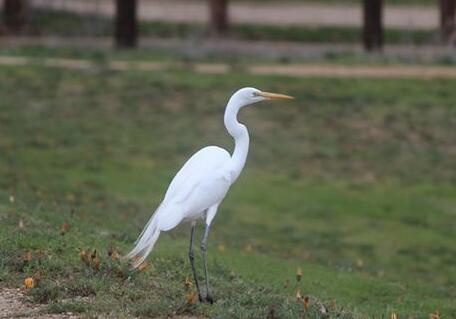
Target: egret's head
(246, 96)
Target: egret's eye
(255, 94)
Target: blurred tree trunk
(126, 24)
(372, 25)
(447, 19)
(14, 14)
(218, 16)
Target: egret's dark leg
(203, 250)
(192, 258)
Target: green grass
(45, 22)
(353, 181)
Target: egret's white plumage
(203, 181)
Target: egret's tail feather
(144, 244)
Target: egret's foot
(209, 299)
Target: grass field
(353, 182)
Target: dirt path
(268, 13)
(13, 305)
(295, 70)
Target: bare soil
(13, 304)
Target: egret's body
(201, 184)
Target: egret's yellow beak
(275, 96)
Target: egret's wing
(200, 164)
(195, 187)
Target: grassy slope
(353, 181)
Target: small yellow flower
(28, 282)
(221, 247)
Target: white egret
(201, 184)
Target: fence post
(447, 19)
(14, 14)
(126, 24)
(372, 25)
(218, 16)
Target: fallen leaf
(64, 228)
(28, 282)
(393, 316)
(70, 197)
(359, 263)
(115, 255)
(27, 256)
(221, 247)
(306, 302)
(84, 256)
(188, 282)
(298, 274)
(11, 199)
(21, 224)
(248, 248)
(143, 266)
(96, 263)
(298, 295)
(435, 315)
(191, 298)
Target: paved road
(267, 13)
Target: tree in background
(218, 16)
(126, 24)
(448, 20)
(372, 25)
(14, 15)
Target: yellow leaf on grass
(27, 256)
(306, 302)
(191, 297)
(298, 274)
(28, 282)
(298, 295)
(64, 228)
(143, 266)
(188, 282)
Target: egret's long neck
(241, 137)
